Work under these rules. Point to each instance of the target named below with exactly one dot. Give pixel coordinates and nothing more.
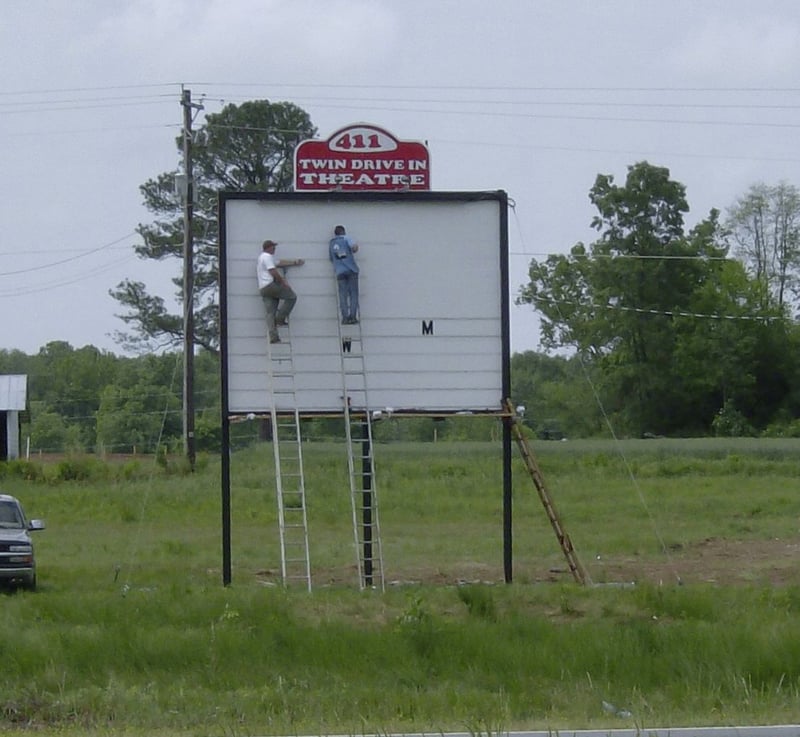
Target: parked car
(17, 561)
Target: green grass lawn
(132, 632)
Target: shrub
(21, 469)
(729, 422)
(783, 429)
(80, 468)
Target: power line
(624, 256)
(506, 88)
(81, 255)
(128, 99)
(663, 313)
(62, 282)
(119, 101)
(46, 91)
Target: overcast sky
(535, 97)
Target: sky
(534, 97)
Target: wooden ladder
(578, 572)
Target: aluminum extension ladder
(575, 567)
(360, 457)
(288, 452)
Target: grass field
(691, 618)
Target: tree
(765, 223)
(249, 147)
(49, 432)
(68, 382)
(724, 345)
(619, 301)
(141, 408)
(556, 392)
(13, 362)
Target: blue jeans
(348, 295)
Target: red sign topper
(361, 157)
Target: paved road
(780, 730)
(783, 730)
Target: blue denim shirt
(341, 254)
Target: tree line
(84, 400)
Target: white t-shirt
(265, 262)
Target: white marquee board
(433, 299)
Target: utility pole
(188, 283)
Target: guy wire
(616, 441)
(134, 546)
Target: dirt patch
(714, 560)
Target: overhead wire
(61, 262)
(63, 281)
(7, 99)
(323, 101)
(664, 313)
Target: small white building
(13, 399)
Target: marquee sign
(433, 292)
(361, 157)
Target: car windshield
(10, 516)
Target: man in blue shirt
(341, 250)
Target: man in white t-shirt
(279, 298)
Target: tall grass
(132, 632)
